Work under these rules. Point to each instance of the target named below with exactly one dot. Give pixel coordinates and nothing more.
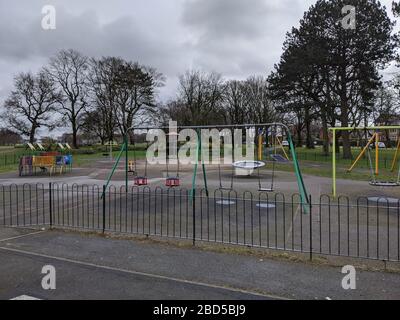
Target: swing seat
(266, 190)
(172, 182)
(279, 158)
(140, 181)
(384, 184)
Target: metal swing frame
(139, 181)
(173, 181)
(273, 137)
(124, 149)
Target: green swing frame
(124, 151)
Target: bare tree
(234, 102)
(69, 70)
(123, 92)
(199, 99)
(102, 77)
(95, 124)
(259, 107)
(32, 103)
(386, 110)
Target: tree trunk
(32, 134)
(299, 142)
(309, 142)
(74, 136)
(345, 134)
(337, 145)
(325, 133)
(388, 141)
(131, 137)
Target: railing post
(311, 240)
(194, 216)
(104, 207)
(51, 204)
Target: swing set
(372, 142)
(267, 132)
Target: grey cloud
(23, 41)
(235, 37)
(239, 38)
(122, 37)
(225, 18)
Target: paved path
(92, 267)
(96, 172)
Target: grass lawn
(82, 159)
(312, 162)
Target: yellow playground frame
(276, 141)
(375, 137)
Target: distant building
(389, 120)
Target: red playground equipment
(140, 181)
(172, 182)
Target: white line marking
(22, 236)
(25, 297)
(145, 274)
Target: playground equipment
(271, 139)
(64, 147)
(375, 138)
(172, 181)
(40, 161)
(40, 146)
(46, 162)
(374, 173)
(143, 180)
(31, 146)
(270, 134)
(132, 167)
(396, 155)
(111, 144)
(248, 165)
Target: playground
(253, 202)
(273, 168)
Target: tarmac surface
(93, 267)
(97, 171)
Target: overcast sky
(236, 38)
